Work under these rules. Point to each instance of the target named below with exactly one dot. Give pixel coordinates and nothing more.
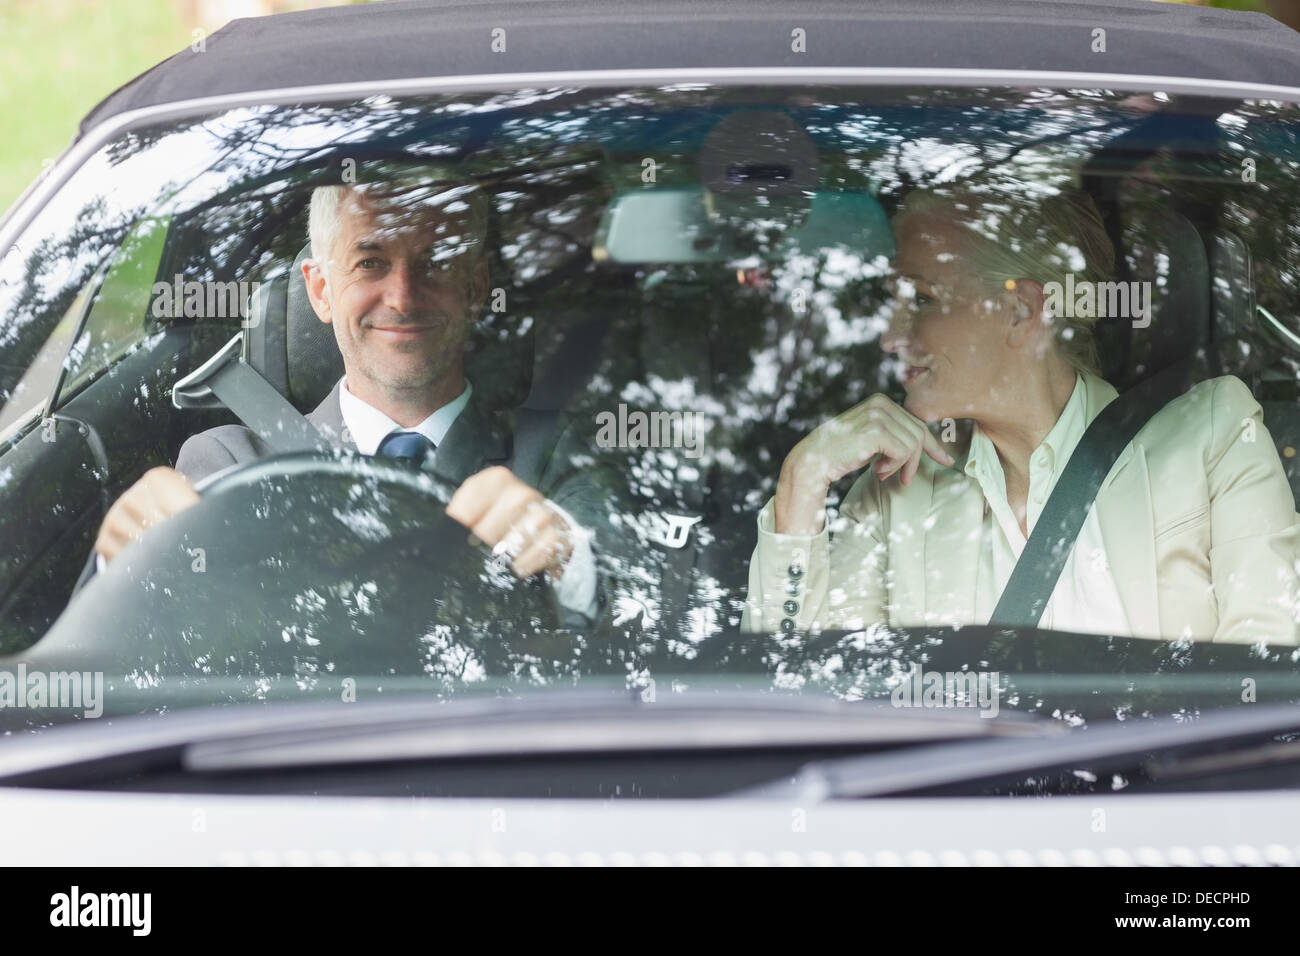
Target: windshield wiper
(1166, 749)
(597, 724)
(214, 740)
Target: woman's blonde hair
(1011, 238)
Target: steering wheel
(307, 565)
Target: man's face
(402, 288)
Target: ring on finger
(507, 549)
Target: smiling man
(399, 270)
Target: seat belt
(536, 432)
(1039, 566)
(226, 380)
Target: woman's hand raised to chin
(877, 428)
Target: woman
(1193, 534)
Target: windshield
(663, 389)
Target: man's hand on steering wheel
(160, 493)
(515, 520)
(503, 512)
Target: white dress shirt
(367, 426)
(1085, 598)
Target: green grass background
(58, 58)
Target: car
(692, 215)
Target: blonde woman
(1193, 534)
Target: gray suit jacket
(475, 440)
(557, 465)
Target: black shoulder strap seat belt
(1040, 564)
(535, 434)
(227, 380)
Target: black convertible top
(431, 38)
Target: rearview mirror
(672, 225)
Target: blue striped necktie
(411, 447)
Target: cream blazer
(1197, 517)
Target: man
(398, 272)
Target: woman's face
(952, 336)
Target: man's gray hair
(325, 219)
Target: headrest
(312, 356)
(1180, 321)
(1165, 249)
(288, 344)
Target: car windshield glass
(662, 388)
